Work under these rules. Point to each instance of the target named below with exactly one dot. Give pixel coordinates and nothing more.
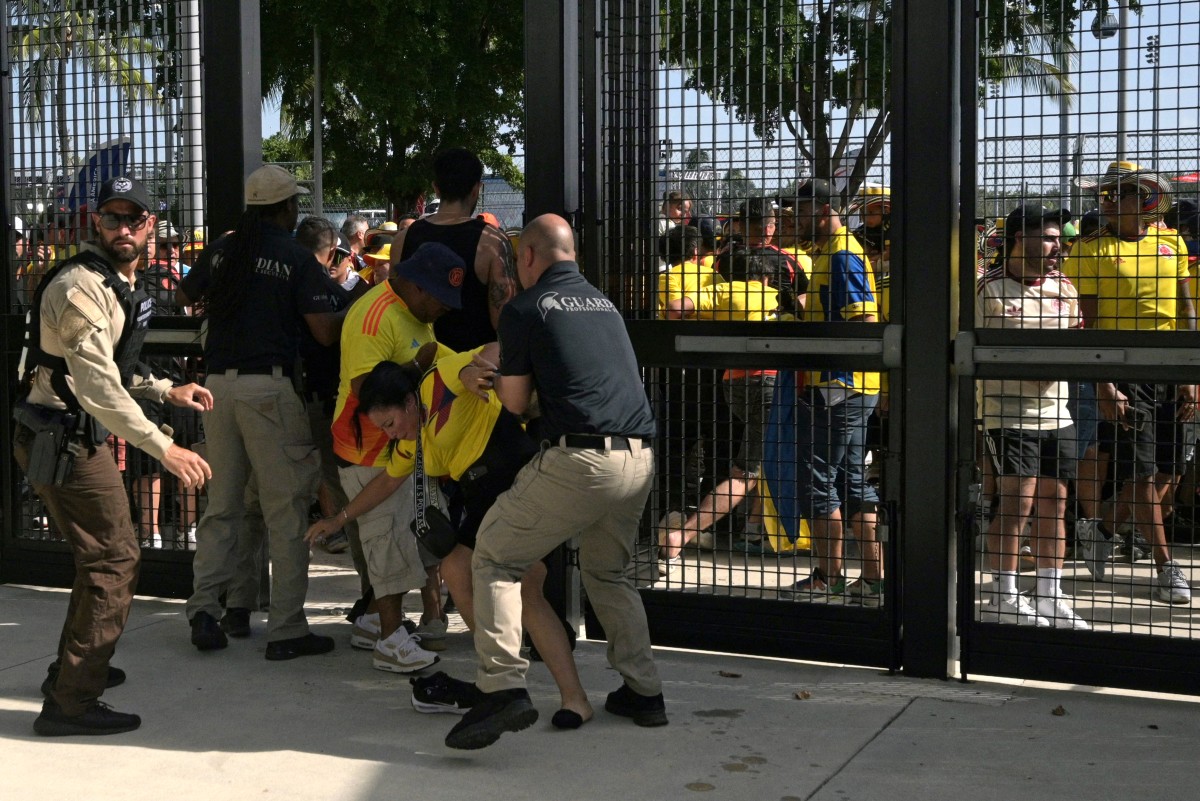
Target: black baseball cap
(123, 187)
(343, 245)
(816, 190)
(1032, 215)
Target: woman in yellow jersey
(467, 436)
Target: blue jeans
(831, 454)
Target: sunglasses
(113, 222)
(1113, 195)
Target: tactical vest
(138, 307)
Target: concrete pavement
(230, 725)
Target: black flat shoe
(494, 714)
(99, 718)
(307, 645)
(646, 710)
(206, 633)
(566, 719)
(115, 676)
(236, 622)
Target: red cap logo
(456, 276)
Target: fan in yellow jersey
(1133, 276)
(832, 411)
(468, 436)
(747, 393)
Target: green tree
(803, 69)
(47, 35)
(401, 79)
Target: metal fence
(96, 90)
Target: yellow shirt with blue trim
(1135, 281)
(735, 300)
(458, 423)
(841, 286)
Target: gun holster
(55, 444)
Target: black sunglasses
(113, 222)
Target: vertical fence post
(232, 106)
(925, 239)
(552, 180)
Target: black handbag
(430, 526)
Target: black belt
(287, 373)
(597, 442)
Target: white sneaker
(668, 566)
(1095, 548)
(365, 633)
(1013, 609)
(433, 634)
(1060, 614)
(402, 653)
(1171, 586)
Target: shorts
(394, 564)
(1161, 445)
(831, 454)
(749, 400)
(1030, 452)
(1081, 403)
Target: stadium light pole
(1105, 26)
(1153, 59)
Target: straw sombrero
(872, 195)
(1156, 188)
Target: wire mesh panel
(1087, 221)
(745, 186)
(97, 89)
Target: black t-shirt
(285, 283)
(572, 340)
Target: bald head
(544, 242)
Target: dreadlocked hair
(235, 263)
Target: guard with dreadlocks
(85, 333)
(258, 287)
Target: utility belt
(59, 437)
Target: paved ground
(229, 725)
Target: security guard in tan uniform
(83, 340)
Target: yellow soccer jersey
(458, 423)
(378, 327)
(753, 301)
(684, 279)
(1135, 282)
(841, 286)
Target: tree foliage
(111, 40)
(804, 69)
(401, 80)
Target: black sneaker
(99, 718)
(646, 710)
(1133, 547)
(442, 693)
(236, 622)
(115, 676)
(494, 714)
(206, 633)
(308, 645)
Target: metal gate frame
(232, 102)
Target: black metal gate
(97, 90)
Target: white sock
(1006, 582)
(1048, 582)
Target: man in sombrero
(1132, 275)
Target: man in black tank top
(458, 175)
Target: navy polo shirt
(285, 283)
(572, 340)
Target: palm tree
(47, 35)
